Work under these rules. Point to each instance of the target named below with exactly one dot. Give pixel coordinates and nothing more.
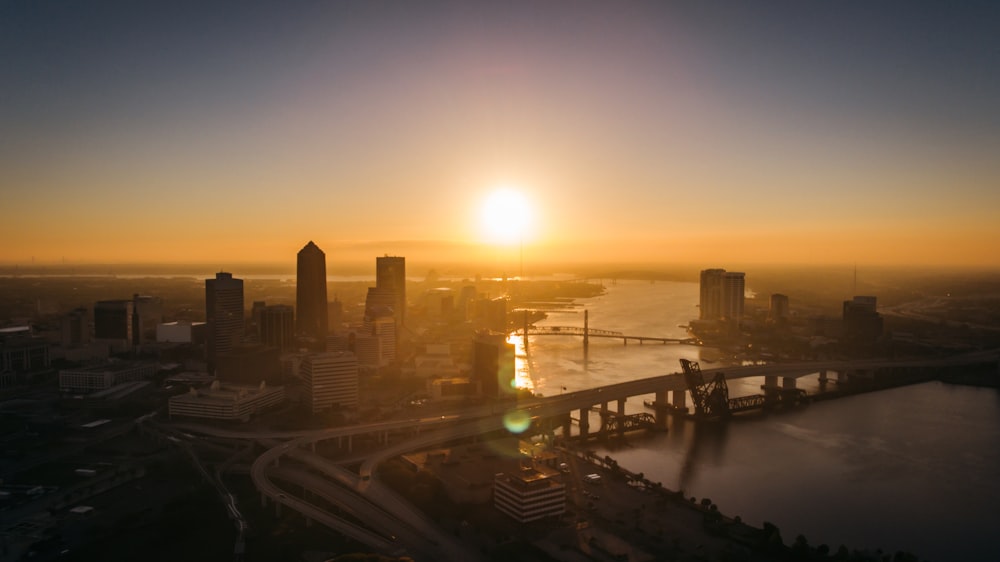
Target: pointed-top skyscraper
(310, 293)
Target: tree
(800, 548)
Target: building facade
(226, 401)
(390, 275)
(102, 377)
(721, 296)
(529, 494)
(277, 326)
(331, 379)
(224, 315)
(493, 365)
(113, 323)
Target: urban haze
(574, 281)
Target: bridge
(587, 332)
(388, 516)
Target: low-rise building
(223, 401)
(101, 377)
(529, 493)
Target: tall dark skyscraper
(224, 315)
(310, 293)
(390, 275)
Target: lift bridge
(711, 399)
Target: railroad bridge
(587, 332)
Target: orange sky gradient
(643, 133)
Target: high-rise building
(224, 314)
(277, 326)
(733, 291)
(778, 311)
(721, 295)
(390, 275)
(331, 379)
(710, 303)
(113, 324)
(74, 328)
(862, 322)
(310, 293)
(147, 314)
(493, 365)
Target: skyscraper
(710, 303)
(390, 275)
(733, 290)
(310, 293)
(493, 365)
(224, 315)
(721, 295)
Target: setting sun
(506, 216)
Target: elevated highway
(393, 516)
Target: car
(563, 467)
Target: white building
(100, 377)
(331, 379)
(529, 494)
(178, 332)
(226, 401)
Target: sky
(689, 132)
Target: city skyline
(687, 133)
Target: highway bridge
(388, 516)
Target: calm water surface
(912, 468)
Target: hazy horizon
(709, 132)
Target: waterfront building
(310, 293)
(733, 291)
(493, 364)
(331, 379)
(721, 296)
(491, 314)
(223, 401)
(224, 314)
(390, 276)
(529, 493)
(710, 301)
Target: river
(912, 468)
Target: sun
(506, 216)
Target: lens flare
(517, 421)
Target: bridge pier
(586, 329)
(788, 382)
(823, 376)
(567, 427)
(621, 406)
(680, 399)
(771, 381)
(584, 423)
